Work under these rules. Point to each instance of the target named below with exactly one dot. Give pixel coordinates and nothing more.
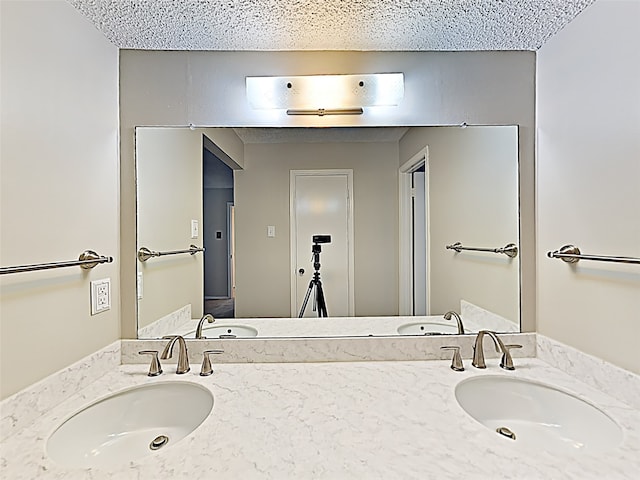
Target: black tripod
(319, 303)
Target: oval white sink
(229, 331)
(427, 328)
(538, 415)
(130, 424)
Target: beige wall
(473, 199)
(207, 89)
(59, 177)
(263, 272)
(169, 179)
(226, 145)
(169, 196)
(589, 181)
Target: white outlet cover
(100, 295)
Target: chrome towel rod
(571, 254)
(88, 259)
(510, 250)
(145, 254)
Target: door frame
(293, 233)
(405, 277)
(231, 250)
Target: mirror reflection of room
(408, 194)
(217, 236)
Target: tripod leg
(322, 306)
(306, 299)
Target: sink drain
(159, 442)
(505, 432)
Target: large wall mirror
(386, 207)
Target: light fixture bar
(331, 92)
(321, 112)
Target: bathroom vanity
(333, 420)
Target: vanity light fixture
(325, 94)
(321, 112)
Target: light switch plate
(194, 229)
(271, 231)
(100, 296)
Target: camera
(322, 239)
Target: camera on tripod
(319, 303)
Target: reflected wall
(472, 185)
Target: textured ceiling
(382, 25)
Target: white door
(321, 204)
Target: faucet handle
(206, 369)
(506, 361)
(456, 360)
(155, 368)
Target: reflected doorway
(217, 218)
(414, 285)
(320, 204)
(419, 228)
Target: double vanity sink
(151, 419)
(326, 327)
(246, 331)
(410, 419)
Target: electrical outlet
(100, 295)
(194, 229)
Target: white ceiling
(379, 25)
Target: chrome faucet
(183, 356)
(448, 315)
(209, 318)
(506, 361)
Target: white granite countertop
(361, 420)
